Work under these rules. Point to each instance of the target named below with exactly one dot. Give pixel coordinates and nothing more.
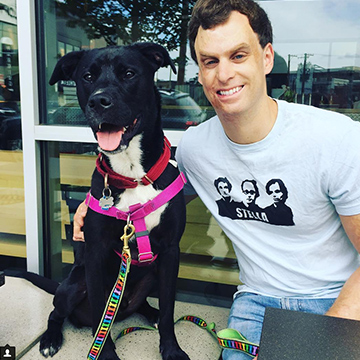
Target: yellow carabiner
(127, 235)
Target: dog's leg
(168, 271)
(150, 313)
(136, 299)
(68, 295)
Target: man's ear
(157, 54)
(65, 67)
(200, 77)
(268, 58)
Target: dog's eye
(88, 77)
(129, 74)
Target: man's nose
(225, 71)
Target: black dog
(116, 91)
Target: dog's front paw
(176, 354)
(50, 342)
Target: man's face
(250, 193)
(232, 65)
(223, 188)
(276, 193)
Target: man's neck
(253, 126)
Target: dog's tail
(41, 282)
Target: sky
(328, 30)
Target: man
(278, 213)
(248, 209)
(225, 204)
(303, 267)
(251, 192)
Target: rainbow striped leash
(115, 297)
(227, 338)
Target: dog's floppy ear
(66, 66)
(157, 54)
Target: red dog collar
(124, 182)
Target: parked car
(10, 125)
(179, 110)
(10, 133)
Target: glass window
(69, 169)
(317, 62)
(12, 207)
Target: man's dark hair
(210, 13)
(224, 180)
(282, 187)
(254, 184)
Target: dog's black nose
(100, 101)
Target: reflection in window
(12, 207)
(10, 121)
(317, 62)
(107, 23)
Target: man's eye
(238, 56)
(210, 62)
(88, 77)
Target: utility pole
(288, 65)
(306, 56)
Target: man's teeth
(231, 91)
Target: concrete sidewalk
(25, 308)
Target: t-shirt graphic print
(278, 213)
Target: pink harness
(137, 214)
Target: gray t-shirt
(278, 200)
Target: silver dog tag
(107, 201)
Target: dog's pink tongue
(109, 141)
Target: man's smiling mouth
(230, 92)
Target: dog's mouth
(112, 137)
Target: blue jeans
(247, 315)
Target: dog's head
(115, 89)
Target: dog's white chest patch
(128, 163)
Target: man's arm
(347, 305)
(79, 216)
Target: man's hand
(347, 305)
(79, 216)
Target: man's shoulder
(202, 132)
(195, 139)
(309, 110)
(314, 117)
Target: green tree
(163, 22)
